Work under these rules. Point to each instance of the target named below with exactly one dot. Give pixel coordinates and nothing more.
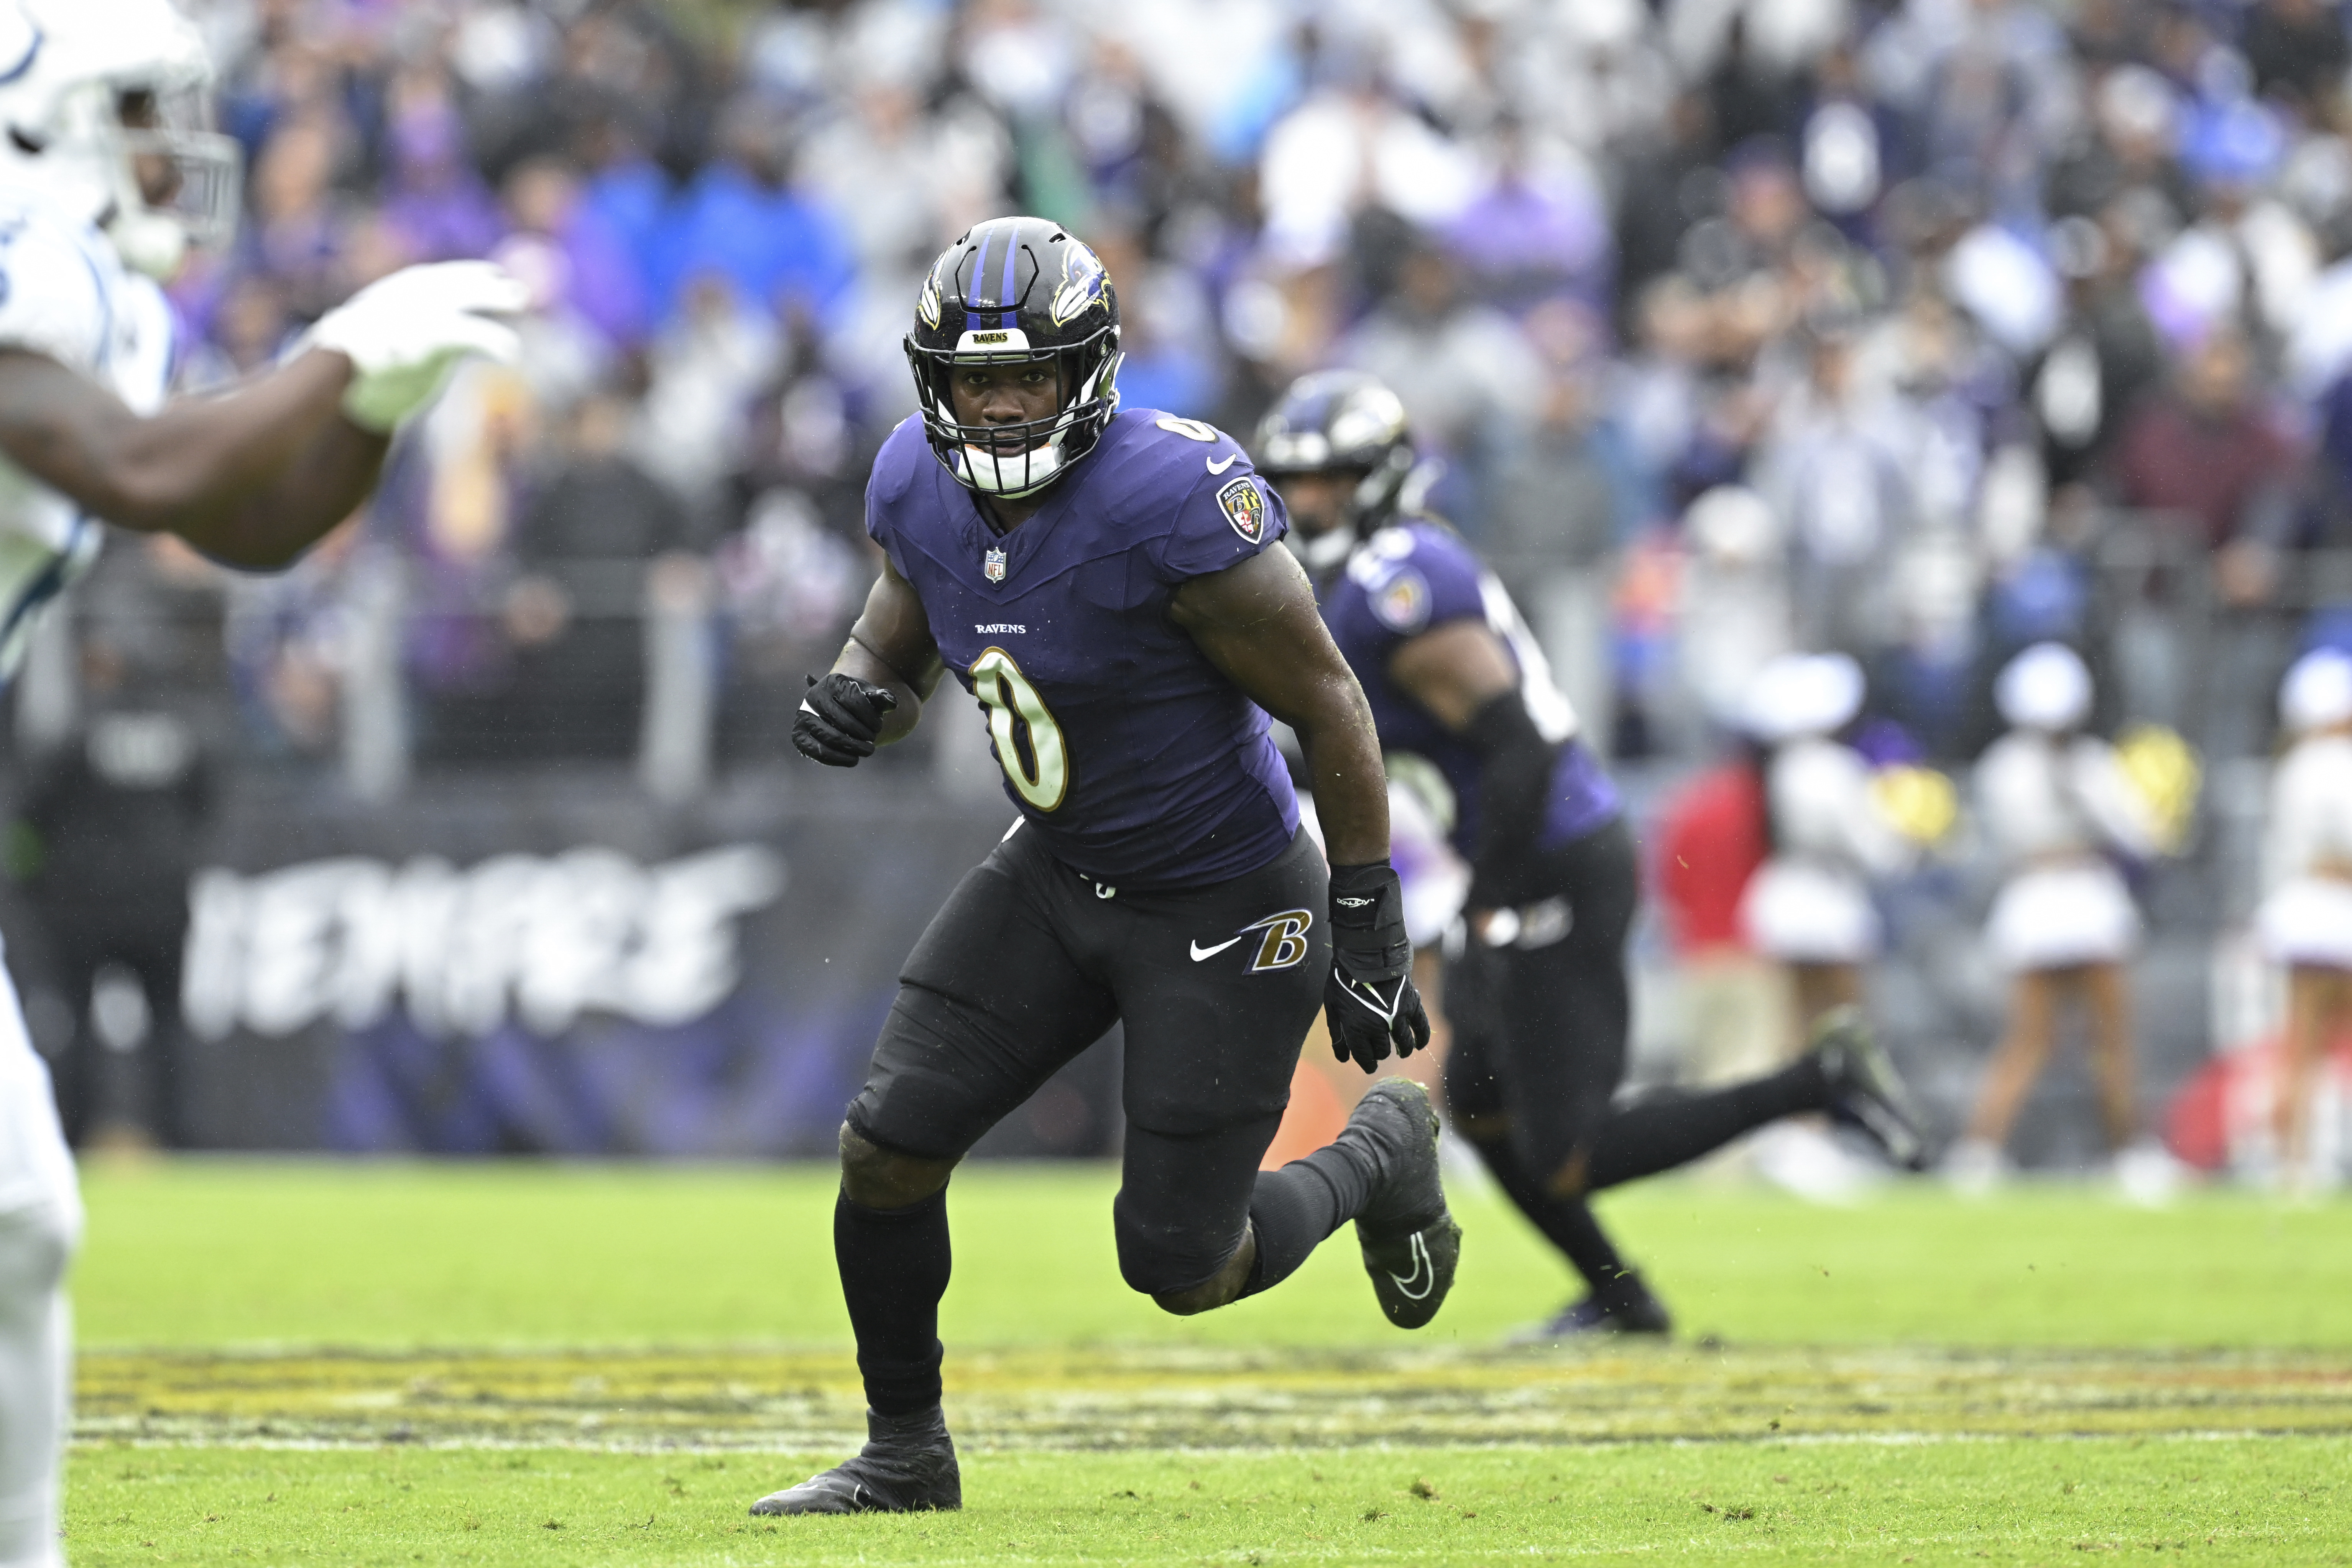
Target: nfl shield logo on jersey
(994, 566)
(1245, 508)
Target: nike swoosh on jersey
(1216, 468)
(1200, 953)
(1425, 1272)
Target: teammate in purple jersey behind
(1538, 997)
(1112, 588)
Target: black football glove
(840, 720)
(1370, 1002)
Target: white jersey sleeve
(65, 294)
(57, 298)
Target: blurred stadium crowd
(1924, 330)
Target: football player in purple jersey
(1112, 586)
(1538, 997)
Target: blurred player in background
(105, 179)
(2307, 915)
(1110, 587)
(2057, 805)
(1539, 1000)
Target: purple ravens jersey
(1416, 575)
(1136, 762)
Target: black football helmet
(1341, 421)
(1016, 290)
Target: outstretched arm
(251, 477)
(1257, 624)
(255, 476)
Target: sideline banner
(553, 967)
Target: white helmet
(68, 69)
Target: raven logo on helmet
(1083, 282)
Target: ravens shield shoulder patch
(1245, 508)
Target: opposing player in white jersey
(106, 178)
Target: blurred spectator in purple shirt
(571, 254)
(1540, 231)
(437, 200)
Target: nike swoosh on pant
(1200, 953)
(1220, 468)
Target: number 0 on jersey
(1041, 776)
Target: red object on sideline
(1711, 838)
(2223, 1113)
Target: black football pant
(1540, 1027)
(1028, 963)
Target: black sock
(1568, 1224)
(1661, 1132)
(894, 1269)
(1292, 1209)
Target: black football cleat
(907, 1466)
(1411, 1243)
(1625, 1307)
(1866, 1092)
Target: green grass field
(519, 1363)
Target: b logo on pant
(1285, 944)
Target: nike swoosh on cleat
(1425, 1272)
(1200, 953)
(1220, 468)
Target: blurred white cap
(2044, 688)
(1800, 694)
(1733, 526)
(2318, 691)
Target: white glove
(404, 333)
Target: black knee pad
(1157, 1257)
